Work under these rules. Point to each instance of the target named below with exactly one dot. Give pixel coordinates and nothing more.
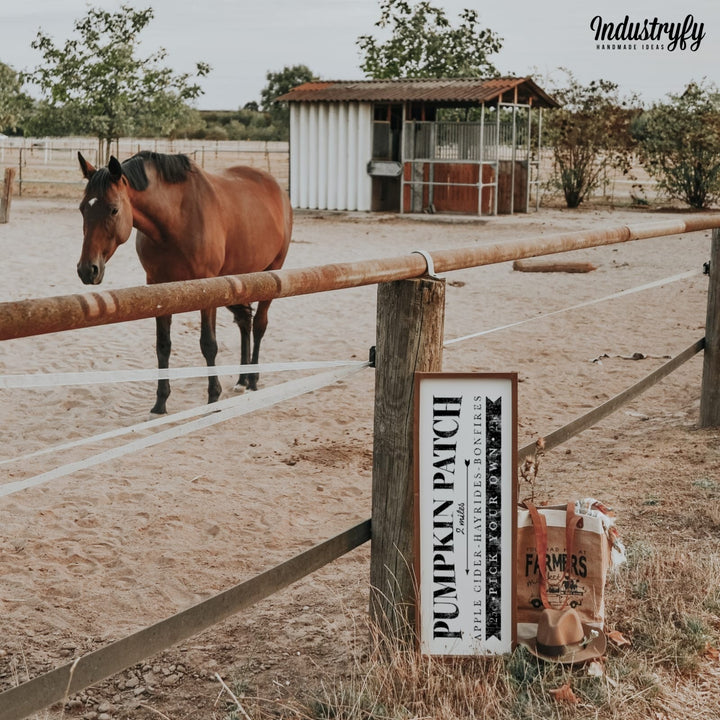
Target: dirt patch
(98, 554)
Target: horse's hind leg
(259, 326)
(208, 345)
(243, 319)
(162, 348)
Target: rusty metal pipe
(25, 318)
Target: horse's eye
(113, 211)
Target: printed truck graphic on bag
(569, 589)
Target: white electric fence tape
(231, 408)
(630, 291)
(224, 409)
(147, 425)
(37, 380)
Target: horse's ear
(115, 169)
(87, 169)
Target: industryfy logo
(647, 34)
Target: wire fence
(49, 167)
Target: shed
(460, 145)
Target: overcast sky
(244, 39)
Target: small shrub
(216, 132)
(589, 136)
(679, 145)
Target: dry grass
(665, 602)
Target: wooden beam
(6, 195)
(410, 320)
(553, 266)
(67, 680)
(566, 432)
(710, 389)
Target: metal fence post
(410, 321)
(20, 167)
(710, 391)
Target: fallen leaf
(565, 694)
(711, 652)
(618, 639)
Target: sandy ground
(91, 557)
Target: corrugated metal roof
(431, 90)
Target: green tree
(97, 78)
(679, 145)
(423, 43)
(589, 135)
(53, 120)
(278, 83)
(15, 105)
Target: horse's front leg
(162, 348)
(260, 322)
(243, 319)
(208, 345)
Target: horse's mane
(171, 168)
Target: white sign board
(465, 512)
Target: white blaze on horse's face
(107, 218)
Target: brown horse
(190, 224)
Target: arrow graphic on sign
(467, 517)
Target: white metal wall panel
(364, 155)
(299, 156)
(322, 156)
(351, 165)
(312, 158)
(331, 202)
(294, 165)
(330, 146)
(342, 172)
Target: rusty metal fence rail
(25, 318)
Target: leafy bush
(589, 135)
(14, 104)
(245, 124)
(215, 132)
(679, 145)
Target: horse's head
(107, 217)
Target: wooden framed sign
(465, 512)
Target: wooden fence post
(6, 195)
(410, 322)
(710, 392)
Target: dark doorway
(387, 142)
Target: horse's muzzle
(90, 274)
